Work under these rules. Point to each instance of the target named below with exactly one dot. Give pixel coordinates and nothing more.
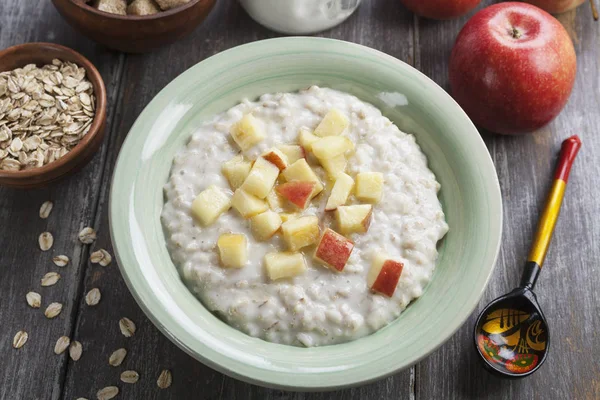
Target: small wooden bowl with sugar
(134, 26)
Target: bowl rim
(99, 117)
(235, 367)
(158, 15)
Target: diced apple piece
(331, 146)
(277, 157)
(369, 187)
(293, 152)
(334, 166)
(285, 217)
(247, 132)
(301, 171)
(210, 204)
(275, 201)
(384, 275)
(265, 225)
(334, 250)
(298, 193)
(248, 205)
(301, 232)
(284, 265)
(236, 171)
(261, 178)
(306, 139)
(233, 250)
(333, 124)
(354, 219)
(340, 192)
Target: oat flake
(50, 278)
(34, 299)
(164, 379)
(53, 310)
(107, 393)
(46, 240)
(117, 357)
(87, 235)
(130, 376)
(75, 350)
(61, 261)
(127, 327)
(20, 339)
(62, 344)
(93, 297)
(46, 209)
(101, 257)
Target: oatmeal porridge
(303, 218)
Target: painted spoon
(511, 333)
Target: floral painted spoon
(511, 333)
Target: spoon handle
(540, 245)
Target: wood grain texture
(567, 289)
(34, 371)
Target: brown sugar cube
(112, 6)
(142, 7)
(168, 4)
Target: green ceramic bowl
(470, 196)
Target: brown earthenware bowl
(42, 54)
(134, 34)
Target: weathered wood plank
(385, 26)
(568, 288)
(34, 371)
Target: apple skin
(512, 68)
(334, 250)
(556, 6)
(388, 278)
(440, 9)
(296, 192)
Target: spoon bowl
(511, 334)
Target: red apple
(512, 68)
(384, 275)
(297, 192)
(440, 9)
(556, 6)
(334, 250)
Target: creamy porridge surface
(319, 307)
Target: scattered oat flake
(107, 393)
(130, 376)
(61, 261)
(101, 257)
(34, 299)
(75, 350)
(62, 344)
(50, 278)
(81, 398)
(87, 235)
(127, 327)
(46, 240)
(20, 339)
(117, 357)
(164, 379)
(53, 310)
(46, 209)
(93, 297)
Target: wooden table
(568, 289)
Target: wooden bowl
(134, 34)
(81, 154)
